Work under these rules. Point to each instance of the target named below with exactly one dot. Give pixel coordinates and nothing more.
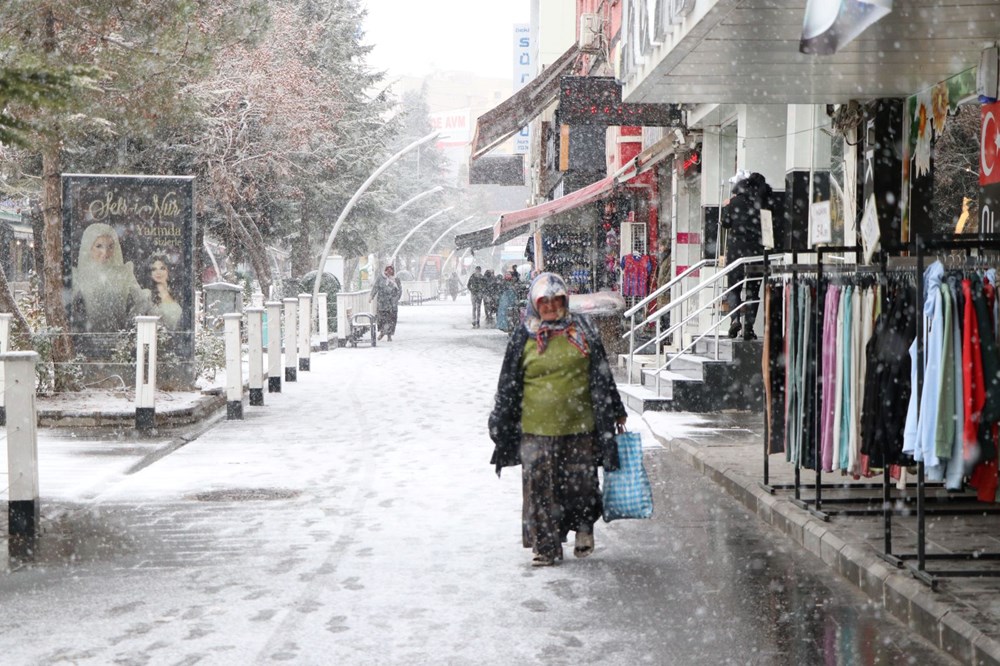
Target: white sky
(418, 37)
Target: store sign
(524, 71)
(597, 100)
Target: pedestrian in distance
(454, 285)
(556, 413)
(386, 291)
(507, 312)
(476, 285)
(491, 296)
(741, 219)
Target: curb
(925, 612)
(203, 408)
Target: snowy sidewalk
(962, 618)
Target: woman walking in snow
(556, 413)
(387, 290)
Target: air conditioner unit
(591, 32)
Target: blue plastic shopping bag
(627, 493)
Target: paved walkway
(961, 615)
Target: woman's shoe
(388, 338)
(540, 560)
(734, 330)
(584, 544)
(381, 335)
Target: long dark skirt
(561, 492)
(385, 321)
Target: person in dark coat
(476, 285)
(741, 219)
(555, 413)
(492, 285)
(387, 291)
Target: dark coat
(476, 284)
(741, 216)
(505, 419)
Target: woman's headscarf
(550, 285)
(110, 291)
(90, 235)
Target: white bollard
(198, 314)
(274, 346)
(321, 320)
(145, 373)
(234, 365)
(255, 344)
(291, 339)
(305, 330)
(22, 443)
(5, 321)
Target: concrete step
(641, 399)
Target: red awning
(506, 119)
(581, 197)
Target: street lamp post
(392, 259)
(354, 199)
(439, 239)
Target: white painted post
(255, 344)
(22, 443)
(291, 339)
(322, 323)
(5, 320)
(145, 373)
(273, 346)
(305, 330)
(234, 366)
(198, 313)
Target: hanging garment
(829, 375)
(955, 475)
(847, 377)
(973, 392)
(921, 418)
(636, 269)
(809, 409)
(887, 381)
(791, 373)
(774, 366)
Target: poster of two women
(128, 251)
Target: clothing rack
(917, 562)
(815, 505)
(795, 269)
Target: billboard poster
(127, 251)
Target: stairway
(697, 382)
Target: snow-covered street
(355, 519)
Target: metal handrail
(660, 312)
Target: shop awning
(484, 238)
(516, 220)
(503, 121)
